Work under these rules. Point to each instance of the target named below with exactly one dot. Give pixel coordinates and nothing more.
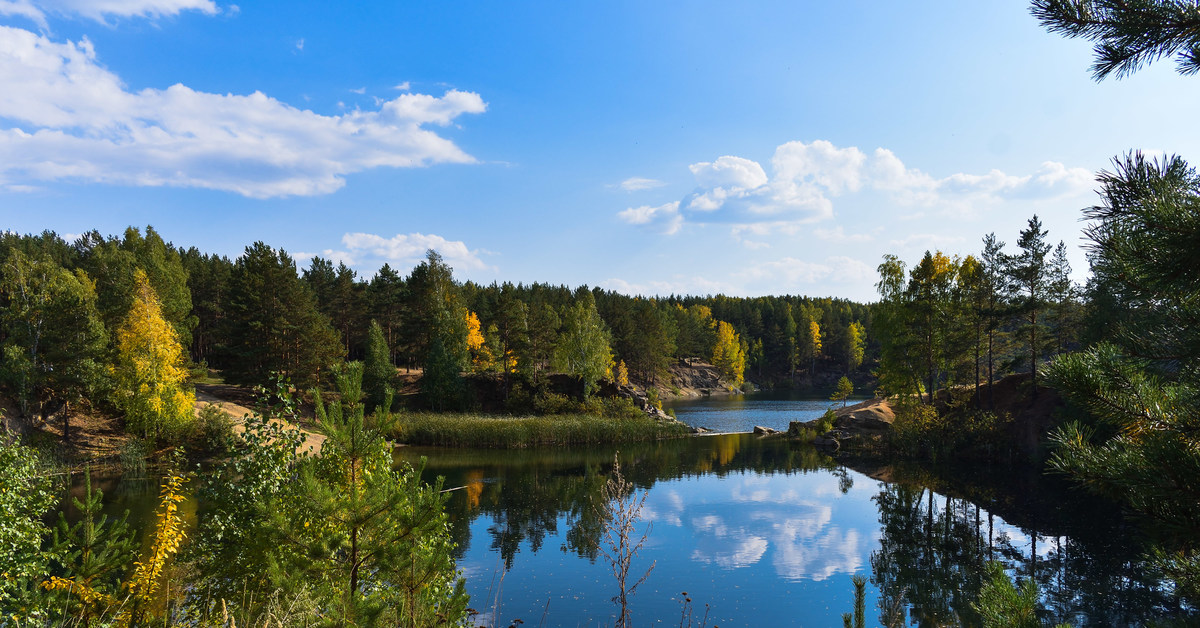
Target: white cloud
(300, 45)
(666, 217)
(403, 87)
(74, 120)
(23, 8)
(677, 285)
(411, 248)
(805, 178)
(99, 10)
(359, 90)
(636, 184)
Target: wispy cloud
(637, 184)
(36, 10)
(665, 218)
(73, 120)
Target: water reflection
(769, 531)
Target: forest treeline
(948, 321)
(967, 320)
(261, 316)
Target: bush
(213, 430)
(825, 423)
(919, 431)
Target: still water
(769, 532)
(766, 532)
(740, 413)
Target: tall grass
(477, 430)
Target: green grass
(476, 430)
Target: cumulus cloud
(72, 119)
(410, 248)
(637, 184)
(805, 179)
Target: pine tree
(93, 553)
(275, 326)
(1028, 273)
(385, 300)
(992, 304)
(378, 537)
(149, 373)
(1128, 35)
(1143, 381)
(378, 370)
(844, 389)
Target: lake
(767, 532)
(740, 413)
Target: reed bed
(479, 430)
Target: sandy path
(239, 412)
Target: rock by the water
(764, 431)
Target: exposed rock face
(640, 400)
(696, 379)
(764, 431)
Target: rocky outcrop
(643, 403)
(764, 431)
(870, 419)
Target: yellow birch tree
(728, 356)
(149, 370)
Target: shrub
(213, 430)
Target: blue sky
(701, 147)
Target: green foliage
(378, 370)
(920, 431)
(274, 323)
(825, 423)
(844, 389)
(613, 422)
(53, 337)
(93, 554)
(1128, 35)
(1143, 382)
(583, 349)
(366, 543)
(213, 430)
(25, 496)
(112, 263)
(1002, 605)
(860, 600)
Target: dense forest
(947, 322)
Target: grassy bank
(477, 430)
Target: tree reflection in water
(936, 530)
(937, 535)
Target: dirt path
(230, 400)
